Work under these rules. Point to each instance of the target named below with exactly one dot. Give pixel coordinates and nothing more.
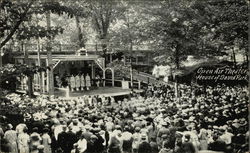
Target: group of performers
(79, 82)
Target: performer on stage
(78, 82)
(83, 84)
(98, 80)
(72, 83)
(88, 81)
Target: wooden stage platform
(106, 91)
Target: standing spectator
(62, 139)
(46, 141)
(11, 137)
(127, 140)
(166, 148)
(136, 140)
(217, 145)
(162, 131)
(203, 136)
(81, 145)
(91, 145)
(35, 141)
(23, 141)
(115, 145)
(187, 146)
(71, 139)
(144, 146)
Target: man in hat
(87, 134)
(187, 146)
(127, 140)
(136, 139)
(163, 130)
(62, 139)
(71, 139)
(217, 145)
(144, 146)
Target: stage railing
(118, 83)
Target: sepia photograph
(124, 76)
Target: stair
(100, 63)
(55, 63)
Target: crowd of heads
(157, 120)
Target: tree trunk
(1, 60)
(234, 58)
(39, 64)
(30, 77)
(39, 60)
(131, 65)
(0, 73)
(50, 76)
(104, 50)
(79, 32)
(177, 56)
(177, 64)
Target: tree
(16, 22)
(104, 12)
(128, 30)
(230, 24)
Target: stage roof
(64, 57)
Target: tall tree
(104, 12)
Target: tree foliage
(12, 70)
(17, 19)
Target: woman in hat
(203, 137)
(115, 145)
(46, 140)
(136, 139)
(11, 137)
(35, 140)
(23, 141)
(144, 146)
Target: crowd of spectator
(156, 121)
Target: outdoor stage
(106, 91)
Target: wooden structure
(61, 64)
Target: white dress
(83, 84)
(72, 82)
(88, 84)
(78, 81)
(11, 137)
(46, 143)
(23, 142)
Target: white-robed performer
(83, 84)
(78, 82)
(88, 81)
(72, 83)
